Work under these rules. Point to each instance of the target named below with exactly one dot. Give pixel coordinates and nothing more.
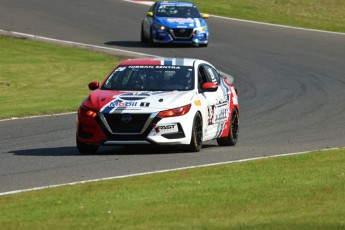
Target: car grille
(118, 124)
(182, 33)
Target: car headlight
(202, 28)
(160, 27)
(83, 111)
(175, 112)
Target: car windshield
(178, 11)
(151, 78)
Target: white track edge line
(73, 43)
(160, 171)
(278, 25)
(37, 116)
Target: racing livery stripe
(197, 22)
(107, 109)
(227, 89)
(177, 62)
(222, 126)
(167, 62)
(180, 61)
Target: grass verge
(293, 192)
(314, 14)
(39, 78)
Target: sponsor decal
(180, 20)
(120, 103)
(197, 102)
(167, 65)
(172, 128)
(144, 104)
(218, 113)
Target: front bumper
(192, 36)
(167, 131)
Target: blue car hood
(188, 23)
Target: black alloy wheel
(197, 136)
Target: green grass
(293, 192)
(38, 78)
(315, 14)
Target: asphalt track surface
(291, 87)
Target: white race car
(159, 101)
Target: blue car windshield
(150, 78)
(177, 11)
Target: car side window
(152, 8)
(212, 74)
(202, 76)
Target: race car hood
(107, 101)
(187, 23)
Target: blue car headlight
(202, 28)
(160, 27)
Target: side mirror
(209, 87)
(149, 14)
(205, 15)
(93, 85)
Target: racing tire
(151, 42)
(86, 149)
(196, 140)
(232, 137)
(203, 45)
(143, 39)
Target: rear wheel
(86, 149)
(196, 141)
(232, 137)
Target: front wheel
(196, 140)
(143, 39)
(151, 41)
(232, 137)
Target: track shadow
(144, 150)
(106, 150)
(138, 44)
(134, 44)
(61, 151)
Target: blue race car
(174, 22)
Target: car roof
(159, 61)
(181, 4)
